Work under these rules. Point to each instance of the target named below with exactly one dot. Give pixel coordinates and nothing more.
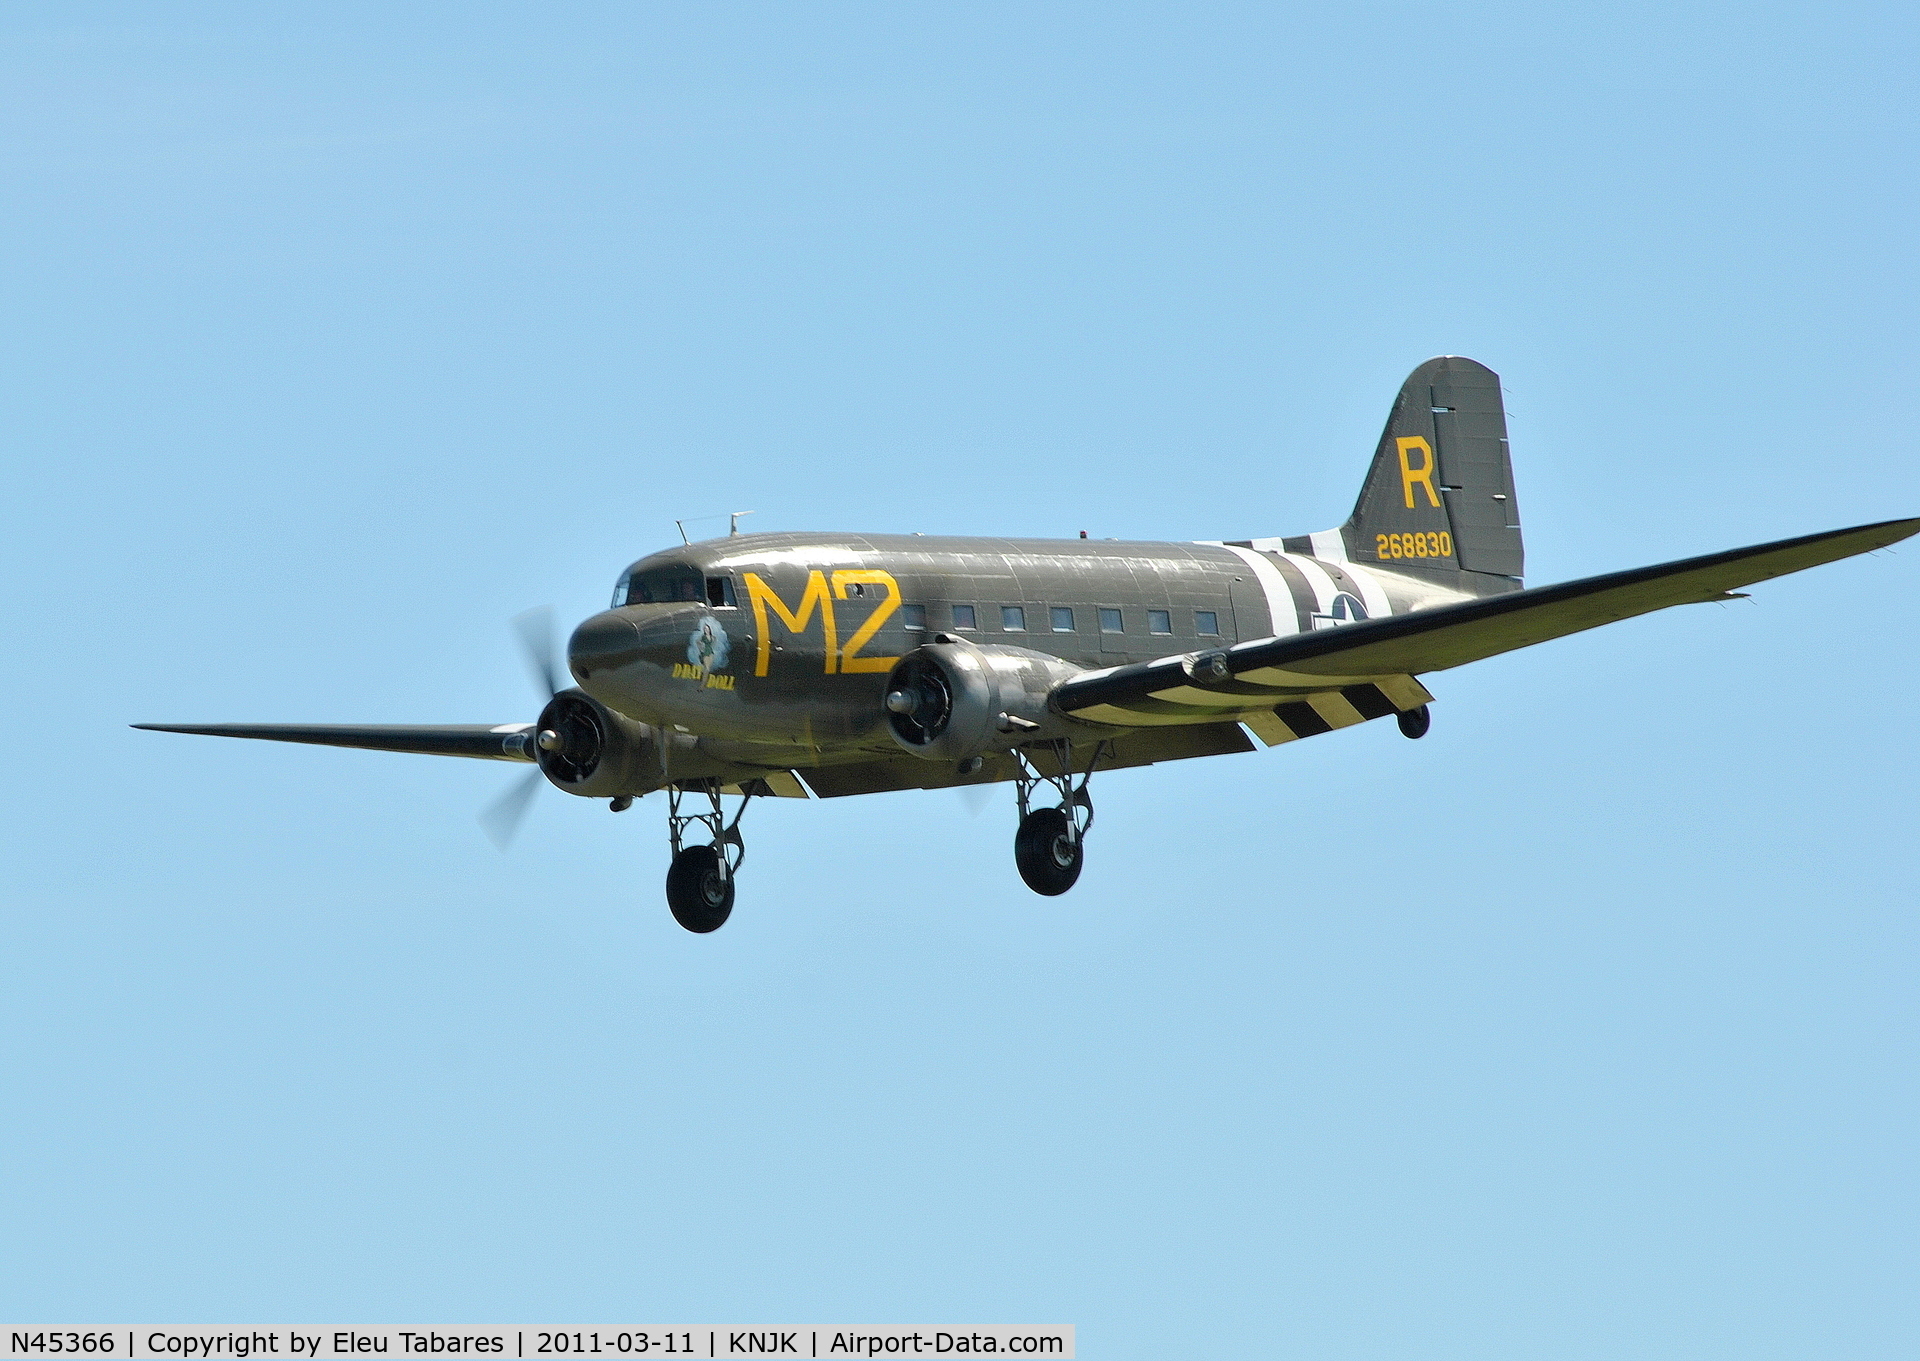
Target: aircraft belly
(1140, 747)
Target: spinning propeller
(501, 819)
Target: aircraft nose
(605, 642)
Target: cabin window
(720, 593)
(1206, 623)
(1159, 621)
(1062, 619)
(914, 616)
(1013, 618)
(963, 617)
(1111, 622)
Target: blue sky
(1583, 1027)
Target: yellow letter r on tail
(1422, 475)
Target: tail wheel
(1415, 722)
(1048, 851)
(699, 890)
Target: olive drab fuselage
(787, 639)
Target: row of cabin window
(1013, 619)
(668, 585)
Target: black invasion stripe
(1300, 716)
(1304, 603)
(1369, 700)
(1301, 544)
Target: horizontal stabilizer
(501, 742)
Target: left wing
(1308, 683)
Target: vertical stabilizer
(1439, 498)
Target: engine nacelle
(587, 749)
(951, 700)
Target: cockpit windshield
(659, 586)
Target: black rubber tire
(700, 897)
(1415, 722)
(1048, 855)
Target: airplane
(827, 665)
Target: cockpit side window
(659, 586)
(720, 593)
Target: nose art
(605, 642)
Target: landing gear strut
(700, 879)
(1050, 846)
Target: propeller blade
(502, 817)
(977, 797)
(535, 627)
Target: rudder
(1439, 499)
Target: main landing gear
(700, 879)
(1050, 846)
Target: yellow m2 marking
(1423, 475)
(817, 596)
(763, 595)
(864, 634)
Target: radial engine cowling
(950, 700)
(586, 748)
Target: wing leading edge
(497, 742)
(1334, 666)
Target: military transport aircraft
(834, 664)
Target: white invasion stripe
(1323, 588)
(1371, 593)
(1280, 679)
(1336, 708)
(1122, 717)
(1281, 618)
(1268, 728)
(1209, 699)
(1328, 546)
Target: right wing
(1307, 683)
(500, 742)
(496, 742)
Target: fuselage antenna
(733, 523)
